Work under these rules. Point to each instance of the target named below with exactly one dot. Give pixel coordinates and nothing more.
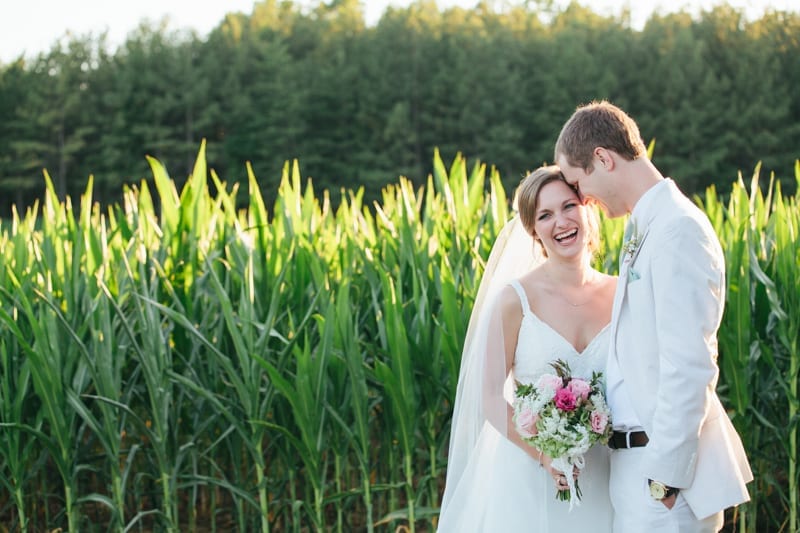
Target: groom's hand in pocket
(669, 501)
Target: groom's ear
(604, 158)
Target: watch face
(657, 490)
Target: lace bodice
(539, 344)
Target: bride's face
(560, 220)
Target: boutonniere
(630, 246)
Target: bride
(539, 300)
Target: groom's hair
(526, 201)
(598, 124)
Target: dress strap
(526, 308)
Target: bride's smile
(560, 220)
(567, 237)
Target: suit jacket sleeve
(688, 272)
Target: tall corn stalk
(756, 335)
(52, 299)
(735, 224)
(17, 448)
(785, 228)
(353, 410)
(397, 379)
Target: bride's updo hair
(526, 201)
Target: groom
(677, 461)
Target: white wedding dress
(502, 489)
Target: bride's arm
(512, 320)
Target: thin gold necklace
(573, 304)
(589, 299)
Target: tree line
(360, 105)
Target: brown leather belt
(627, 439)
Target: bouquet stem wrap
(566, 464)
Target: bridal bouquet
(563, 416)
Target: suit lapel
(625, 266)
(619, 295)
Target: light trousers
(635, 511)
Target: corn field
(191, 360)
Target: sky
(28, 27)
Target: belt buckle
(628, 439)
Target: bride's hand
(558, 476)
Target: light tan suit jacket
(667, 309)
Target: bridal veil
(484, 381)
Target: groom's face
(594, 185)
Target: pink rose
(579, 388)
(599, 422)
(526, 423)
(565, 400)
(548, 384)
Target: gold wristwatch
(659, 491)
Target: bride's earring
(541, 250)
